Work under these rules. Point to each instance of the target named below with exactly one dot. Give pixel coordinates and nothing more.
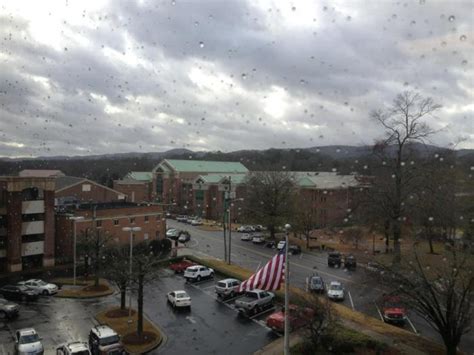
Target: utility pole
(230, 220)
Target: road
(361, 291)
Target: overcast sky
(93, 77)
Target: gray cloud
(227, 75)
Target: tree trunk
(307, 241)
(387, 235)
(97, 267)
(140, 304)
(397, 255)
(272, 232)
(123, 292)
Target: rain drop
(464, 62)
(451, 18)
(201, 44)
(462, 38)
(244, 76)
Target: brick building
(137, 185)
(26, 222)
(73, 190)
(109, 218)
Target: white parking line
(378, 311)
(231, 299)
(266, 311)
(301, 256)
(412, 326)
(208, 287)
(350, 299)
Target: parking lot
(209, 327)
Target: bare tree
(443, 295)
(404, 125)
(92, 244)
(117, 269)
(305, 220)
(270, 198)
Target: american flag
(268, 277)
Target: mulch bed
(134, 339)
(118, 313)
(100, 288)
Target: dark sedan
(20, 293)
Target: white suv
(198, 272)
(40, 286)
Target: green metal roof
(218, 178)
(140, 175)
(205, 166)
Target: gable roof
(66, 181)
(325, 180)
(40, 173)
(71, 181)
(140, 175)
(202, 166)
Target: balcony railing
(30, 207)
(35, 227)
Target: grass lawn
(118, 321)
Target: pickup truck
(254, 302)
(298, 318)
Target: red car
(393, 310)
(179, 267)
(299, 317)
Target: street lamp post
(229, 206)
(286, 350)
(131, 230)
(74, 220)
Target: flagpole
(286, 350)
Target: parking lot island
(86, 288)
(151, 338)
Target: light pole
(131, 230)
(74, 220)
(286, 350)
(229, 206)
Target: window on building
(145, 236)
(146, 219)
(116, 222)
(98, 224)
(86, 187)
(132, 220)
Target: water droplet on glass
(443, 44)
(201, 44)
(451, 18)
(462, 38)
(348, 18)
(464, 62)
(293, 8)
(244, 76)
(394, 16)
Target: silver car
(27, 341)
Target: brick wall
(135, 192)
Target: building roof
(219, 178)
(140, 175)
(202, 166)
(40, 173)
(129, 181)
(65, 181)
(325, 180)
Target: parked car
(254, 302)
(8, 309)
(294, 249)
(73, 348)
(316, 284)
(198, 272)
(179, 299)
(298, 318)
(190, 219)
(246, 237)
(184, 237)
(393, 310)
(350, 262)
(27, 341)
(246, 229)
(227, 288)
(181, 218)
(335, 291)
(334, 259)
(281, 244)
(181, 266)
(43, 288)
(374, 268)
(259, 228)
(172, 233)
(258, 239)
(196, 222)
(104, 340)
(22, 293)
(271, 244)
